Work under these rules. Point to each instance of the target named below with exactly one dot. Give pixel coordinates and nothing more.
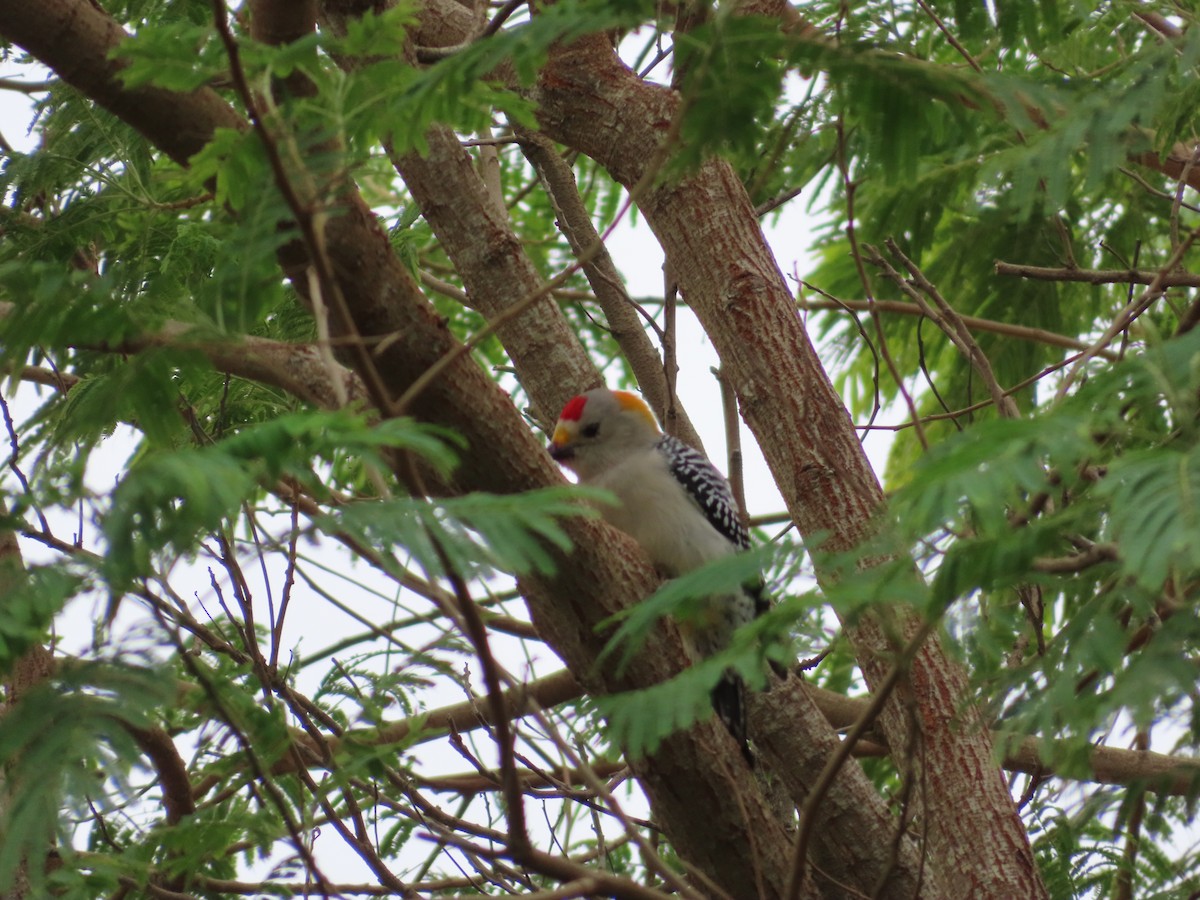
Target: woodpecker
(674, 503)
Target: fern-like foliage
(476, 534)
(171, 498)
(69, 733)
(1106, 478)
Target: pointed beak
(562, 443)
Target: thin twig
(849, 306)
(777, 201)
(850, 189)
(431, 374)
(650, 856)
(1151, 189)
(948, 320)
(982, 404)
(502, 16)
(733, 444)
(262, 778)
(1180, 188)
(1123, 884)
(808, 814)
(1009, 329)
(26, 87)
(518, 834)
(609, 290)
(669, 362)
(950, 37)
(1169, 278)
(14, 445)
(649, 176)
(289, 581)
(1129, 313)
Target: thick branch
(299, 369)
(602, 275)
(783, 732)
(477, 235)
(33, 666)
(475, 232)
(172, 771)
(76, 40)
(789, 731)
(1176, 164)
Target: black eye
(590, 431)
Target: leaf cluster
(1090, 509)
(70, 734)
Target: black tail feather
(729, 701)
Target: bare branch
(1009, 329)
(1159, 23)
(545, 692)
(619, 310)
(25, 87)
(1096, 554)
(76, 39)
(1129, 314)
(477, 782)
(949, 321)
(299, 369)
(1097, 276)
(172, 771)
(501, 281)
(322, 286)
(733, 444)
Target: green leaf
(1155, 512)
(732, 82)
(480, 533)
(153, 56)
(987, 469)
(641, 720)
(377, 33)
(56, 740)
(687, 598)
(167, 499)
(391, 99)
(31, 601)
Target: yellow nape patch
(632, 402)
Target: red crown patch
(573, 411)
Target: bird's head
(597, 430)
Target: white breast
(657, 512)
